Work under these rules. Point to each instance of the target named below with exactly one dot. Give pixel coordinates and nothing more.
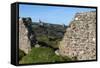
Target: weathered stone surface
(24, 42)
(26, 35)
(37, 46)
(57, 52)
(80, 37)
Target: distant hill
(48, 34)
(48, 29)
(44, 34)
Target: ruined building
(80, 37)
(26, 35)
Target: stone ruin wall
(80, 37)
(24, 42)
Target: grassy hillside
(47, 38)
(48, 34)
(42, 55)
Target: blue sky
(50, 14)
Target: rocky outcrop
(80, 37)
(26, 35)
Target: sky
(50, 14)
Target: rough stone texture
(24, 42)
(80, 37)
